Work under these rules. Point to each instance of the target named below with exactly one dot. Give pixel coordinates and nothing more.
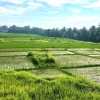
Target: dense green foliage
(42, 59)
(25, 86)
(84, 34)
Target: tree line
(92, 34)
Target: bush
(35, 60)
(50, 60)
(42, 60)
(1, 40)
(30, 54)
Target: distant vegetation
(12, 40)
(92, 34)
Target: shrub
(35, 60)
(1, 40)
(50, 60)
(42, 60)
(30, 54)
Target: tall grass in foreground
(26, 86)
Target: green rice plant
(85, 51)
(60, 52)
(47, 73)
(15, 62)
(76, 60)
(15, 41)
(13, 53)
(92, 73)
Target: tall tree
(63, 32)
(84, 33)
(92, 34)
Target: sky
(48, 14)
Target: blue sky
(50, 13)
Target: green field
(54, 71)
(35, 41)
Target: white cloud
(33, 4)
(14, 1)
(74, 21)
(78, 18)
(94, 5)
(14, 11)
(52, 12)
(83, 18)
(54, 2)
(61, 2)
(75, 10)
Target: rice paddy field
(76, 60)
(50, 73)
(73, 58)
(15, 48)
(73, 61)
(92, 73)
(16, 62)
